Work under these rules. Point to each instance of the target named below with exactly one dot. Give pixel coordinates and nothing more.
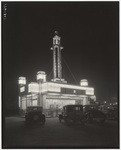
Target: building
(53, 95)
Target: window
(77, 108)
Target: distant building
(54, 94)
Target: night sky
(89, 34)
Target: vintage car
(94, 115)
(72, 114)
(111, 111)
(34, 114)
(89, 107)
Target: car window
(69, 109)
(77, 108)
(34, 109)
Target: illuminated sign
(33, 87)
(22, 89)
(22, 80)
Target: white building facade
(53, 95)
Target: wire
(70, 70)
(47, 66)
(50, 73)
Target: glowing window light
(34, 103)
(22, 80)
(33, 87)
(23, 105)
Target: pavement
(17, 134)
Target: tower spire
(57, 65)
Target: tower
(57, 65)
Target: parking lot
(17, 134)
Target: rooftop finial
(56, 32)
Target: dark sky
(90, 37)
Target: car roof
(34, 107)
(72, 105)
(90, 105)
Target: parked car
(94, 115)
(111, 111)
(72, 114)
(34, 114)
(89, 107)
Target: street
(53, 134)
